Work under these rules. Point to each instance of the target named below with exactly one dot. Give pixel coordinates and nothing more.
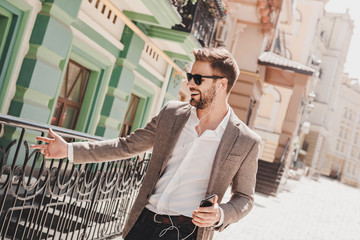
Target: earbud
(218, 88)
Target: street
(308, 209)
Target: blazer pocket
(235, 158)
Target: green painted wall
(13, 22)
(120, 85)
(43, 67)
(146, 95)
(101, 69)
(69, 7)
(185, 40)
(52, 44)
(111, 84)
(163, 12)
(96, 37)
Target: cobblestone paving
(308, 209)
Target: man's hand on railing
(56, 147)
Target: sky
(352, 65)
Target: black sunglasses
(198, 78)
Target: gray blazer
(235, 161)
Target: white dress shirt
(185, 179)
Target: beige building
(270, 90)
(291, 78)
(342, 158)
(299, 40)
(280, 48)
(249, 32)
(332, 38)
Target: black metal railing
(55, 199)
(198, 18)
(284, 154)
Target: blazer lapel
(178, 125)
(226, 144)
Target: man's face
(202, 95)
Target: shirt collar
(224, 122)
(193, 117)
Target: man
(198, 150)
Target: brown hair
(221, 61)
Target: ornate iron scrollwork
(42, 198)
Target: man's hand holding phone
(208, 213)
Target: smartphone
(207, 202)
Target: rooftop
(275, 60)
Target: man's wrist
(221, 221)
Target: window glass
(71, 96)
(69, 117)
(130, 116)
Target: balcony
(199, 18)
(41, 199)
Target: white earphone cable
(164, 231)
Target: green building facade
(76, 64)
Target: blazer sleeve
(242, 189)
(120, 148)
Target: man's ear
(224, 82)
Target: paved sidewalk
(308, 209)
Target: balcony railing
(55, 199)
(199, 18)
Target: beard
(205, 98)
